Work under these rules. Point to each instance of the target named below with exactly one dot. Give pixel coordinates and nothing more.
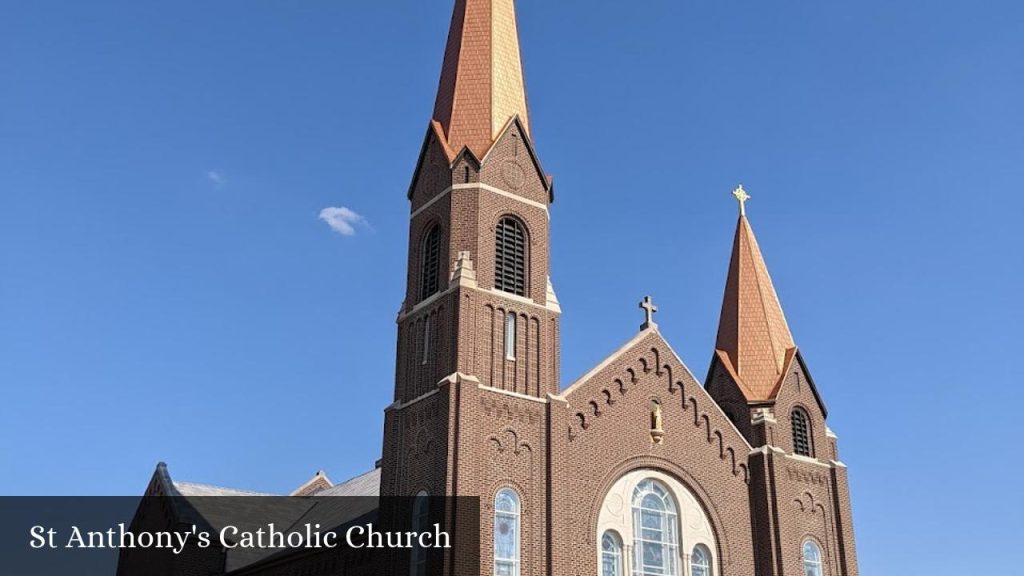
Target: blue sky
(168, 291)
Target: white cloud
(217, 178)
(342, 220)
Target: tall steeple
(478, 331)
(479, 224)
(482, 85)
(754, 340)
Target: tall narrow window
(426, 339)
(700, 562)
(420, 515)
(510, 257)
(801, 433)
(431, 263)
(510, 336)
(812, 559)
(611, 554)
(655, 533)
(506, 533)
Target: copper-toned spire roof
(753, 337)
(482, 84)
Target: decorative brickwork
(478, 407)
(484, 414)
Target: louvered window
(510, 257)
(801, 432)
(431, 264)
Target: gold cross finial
(742, 196)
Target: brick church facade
(635, 468)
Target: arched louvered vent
(431, 263)
(510, 257)
(801, 432)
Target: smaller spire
(742, 196)
(753, 336)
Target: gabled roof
(317, 483)
(366, 484)
(641, 335)
(191, 503)
(754, 341)
(193, 489)
(482, 84)
(434, 132)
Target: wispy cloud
(217, 178)
(342, 220)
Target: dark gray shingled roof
(367, 484)
(217, 507)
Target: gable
(644, 369)
(797, 385)
(512, 164)
(433, 167)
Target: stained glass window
(812, 559)
(611, 554)
(655, 533)
(506, 533)
(420, 513)
(700, 562)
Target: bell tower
(479, 306)
(799, 489)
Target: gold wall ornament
(657, 422)
(741, 195)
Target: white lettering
(359, 530)
(224, 541)
(38, 538)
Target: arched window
(426, 339)
(801, 433)
(510, 336)
(700, 562)
(420, 515)
(655, 534)
(510, 256)
(431, 263)
(812, 559)
(611, 554)
(506, 533)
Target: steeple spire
(753, 336)
(482, 85)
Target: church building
(635, 468)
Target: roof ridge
(358, 476)
(178, 483)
